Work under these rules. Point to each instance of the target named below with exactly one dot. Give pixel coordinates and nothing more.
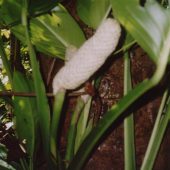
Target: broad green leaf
(24, 113)
(51, 34)
(41, 6)
(148, 25)
(5, 166)
(10, 10)
(92, 12)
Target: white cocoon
(89, 57)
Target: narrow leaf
(24, 114)
(72, 130)
(42, 102)
(129, 139)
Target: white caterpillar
(89, 57)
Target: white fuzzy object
(89, 57)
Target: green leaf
(16, 165)
(129, 144)
(72, 130)
(2, 87)
(41, 98)
(158, 131)
(82, 124)
(41, 6)
(92, 12)
(3, 156)
(55, 123)
(23, 111)
(116, 110)
(10, 10)
(5, 60)
(51, 34)
(3, 152)
(5, 166)
(149, 25)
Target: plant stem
(42, 103)
(58, 105)
(82, 124)
(23, 164)
(32, 94)
(154, 142)
(129, 144)
(72, 130)
(107, 13)
(125, 47)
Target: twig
(50, 71)
(32, 94)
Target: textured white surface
(89, 57)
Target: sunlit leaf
(148, 25)
(51, 34)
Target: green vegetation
(47, 27)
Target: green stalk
(125, 47)
(82, 124)
(24, 164)
(5, 61)
(156, 137)
(157, 142)
(42, 102)
(129, 144)
(72, 130)
(58, 105)
(107, 13)
(116, 110)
